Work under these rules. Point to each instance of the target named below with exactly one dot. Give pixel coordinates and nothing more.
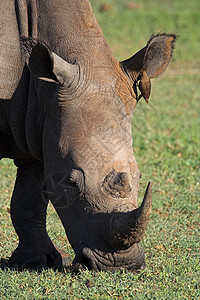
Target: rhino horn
(128, 228)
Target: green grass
(166, 144)
(128, 30)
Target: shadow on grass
(4, 265)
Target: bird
(144, 86)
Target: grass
(128, 30)
(166, 144)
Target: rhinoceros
(66, 106)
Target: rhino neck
(70, 29)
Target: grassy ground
(166, 143)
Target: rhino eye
(77, 179)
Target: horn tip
(147, 201)
(149, 187)
(149, 190)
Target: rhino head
(92, 177)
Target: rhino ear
(153, 59)
(47, 65)
(158, 54)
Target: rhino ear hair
(45, 64)
(153, 58)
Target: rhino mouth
(109, 241)
(117, 244)
(132, 259)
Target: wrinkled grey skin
(66, 106)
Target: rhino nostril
(117, 184)
(121, 179)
